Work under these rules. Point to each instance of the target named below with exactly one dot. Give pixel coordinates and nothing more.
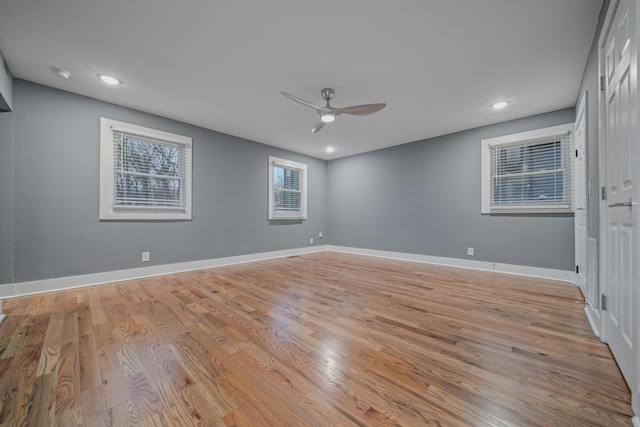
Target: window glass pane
(137, 190)
(278, 177)
(542, 157)
(532, 158)
(544, 189)
(148, 173)
(508, 191)
(138, 155)
(286, 178)
(510, 160)
(286, 201)
(531, 173)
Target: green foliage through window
(147, 172)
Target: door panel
(621, 319)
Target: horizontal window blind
(148, 173)
(533, 172)
(287, 190)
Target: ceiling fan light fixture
(328, 113)
(499, 105)
(328, 117)
(110, 80)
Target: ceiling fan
(328, 113)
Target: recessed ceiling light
(328, 117)
(499, 105)
(60, 72)
(329, 149)
(110, 80)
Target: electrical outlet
(146, 256)
(311, 241)
(320, 235)
(470, 251)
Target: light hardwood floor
(325, 339)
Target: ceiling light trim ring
(109, 79)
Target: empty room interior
(354, 213)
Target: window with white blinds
(144, 173)
(528, 172)
(287, 189)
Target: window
(145, 174)
(287, 189)
(528, 172)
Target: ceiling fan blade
(361, 110)
(300, 101)
(317, 127)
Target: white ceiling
(438, 64)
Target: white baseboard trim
(62, 283)
(635, 421)
(71, 282)
(521, 270)
(592, 323)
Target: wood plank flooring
(324, 339)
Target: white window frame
(108, 210)
(485, 155)
(289, 164)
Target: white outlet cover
(146, 256)
(311, 241)
(470, 251)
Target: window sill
(287, 218)
(528, 211)
(145, 216)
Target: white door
(580, 219)
(620, 277)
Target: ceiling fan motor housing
(327, 93)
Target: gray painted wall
(590, 83)
(424, 198)
(56, 228)
(6, 198)
(395, 199)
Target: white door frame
(602, 166)
(580, 194)
(586, 278)
(635, 394)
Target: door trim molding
(581, 113)
(592, 322)
(602, 165)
